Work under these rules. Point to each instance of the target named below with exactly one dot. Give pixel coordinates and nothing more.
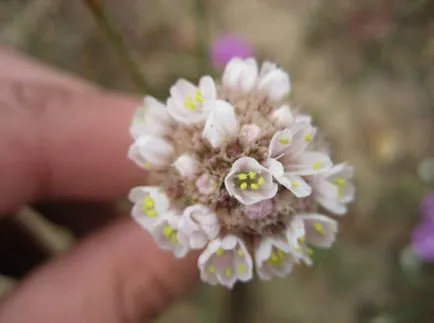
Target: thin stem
(240, 305)
(115, 38)
(201, 15)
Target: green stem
(115, 38)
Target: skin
(64, 139)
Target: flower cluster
(242, 175)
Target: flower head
(241, 174)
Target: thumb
(116, 276)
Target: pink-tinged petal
(240, 75)
(302, 135)
(207, 87)
(320, 229)
(167, 235)
(186, 165)
(283, 116)
(273, 258)
(275, 85)
(280, 143)
(150, 203)
(266, 68)
(200, 225)
(206, 184)
(151, 152)
(296, 184)
(225, 261)
(260, 210)
(250, 182)
(333, 206)
(187, 102)
(309, 163)
(221, 124)
(250, 132)
(295, 235)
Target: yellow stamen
(317, 165)
(273, 256)
(220, 251)
(174, 238)
(199, 97)
(243, 186)
(301, 239)
(149, 202)
(284, 141)
(242, 269)
(319, 228)
(281, 254)
(340, 181)
(151, 213)
(189, 104)
(147, 165)
(228, 272)
(242, 176)
(308, 137)
(261, 181)
(211, 269)
(294, 184)
(252, 174)
(240, 253)
(254, 186)
(167, 231)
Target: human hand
(64, 139)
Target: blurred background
(364, 69)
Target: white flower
(186, 165)
(240, 75)
(224, 261)
(295, 235)
(189, 104)
(333, 189)
(320, 230)
(150, 152)
(167, 235)
(273, 82)
(273, 258)
(150, 203)
(290, 160)
(250, 182)
(200, 225)
(151, 118)
(221, 124)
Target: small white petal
(206, 184)
(320, 229)
(309, 163)
(273, 258)
(186, 165)
(200, 225)
(250, 132)
(283, 116)
(150, 203)
(240, 75)
(151, 152)
(225, 261)
(167, 235)
(221, 124)
(151, 118)
(207, 87)
(275, 85)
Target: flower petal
(275, 85)
(221, 124)
(150, 203)
(309, 163)
(186, 165)
(273, 258)
(151, 152)
(320, 229)
(283, 116)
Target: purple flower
(427, 206)
(422, 240)
(227, 47)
